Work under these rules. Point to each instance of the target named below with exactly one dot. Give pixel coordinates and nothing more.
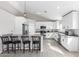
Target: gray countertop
(61, 33)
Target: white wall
(13, 24)
(56, 25)
(32, 26)
(21, 20)
(6, 22)
(18, 24)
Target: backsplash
(76, 31)
(71, 32)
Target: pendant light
(25, 9)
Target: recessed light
(38, 12)
(45, 11)
(58, 7)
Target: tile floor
(51, 49)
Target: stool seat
(26, 42)
(7, 42)
(36, 42)
(17, 41)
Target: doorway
(25, 29)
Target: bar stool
(36, 43)
(25, 41)
(16, 42)
(5, 41)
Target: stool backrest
(14, 38)
(36, 38)
(4, 38)
(25, 38)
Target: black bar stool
(25, 40)
(16, 43)
(36, 43)
(5, 41)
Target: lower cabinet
(0, 46)
(71, 43)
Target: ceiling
(40, 10)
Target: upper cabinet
(70, 20)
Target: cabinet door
(62, 40)
(73, 43)
(0, 46)
(65, 42)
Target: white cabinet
(70, 20)
(71, 43)
(0, 46)
(64, 41)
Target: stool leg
(12, 47)
(29, 46)
(15, 48)
(2, 49)
(39, 47)
(8, 48)
(18, 46)
(23, 48)
(34, 47)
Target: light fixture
(38, 13)
(25, 13)
(45, 11)
(25, 9)
(58, 7)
